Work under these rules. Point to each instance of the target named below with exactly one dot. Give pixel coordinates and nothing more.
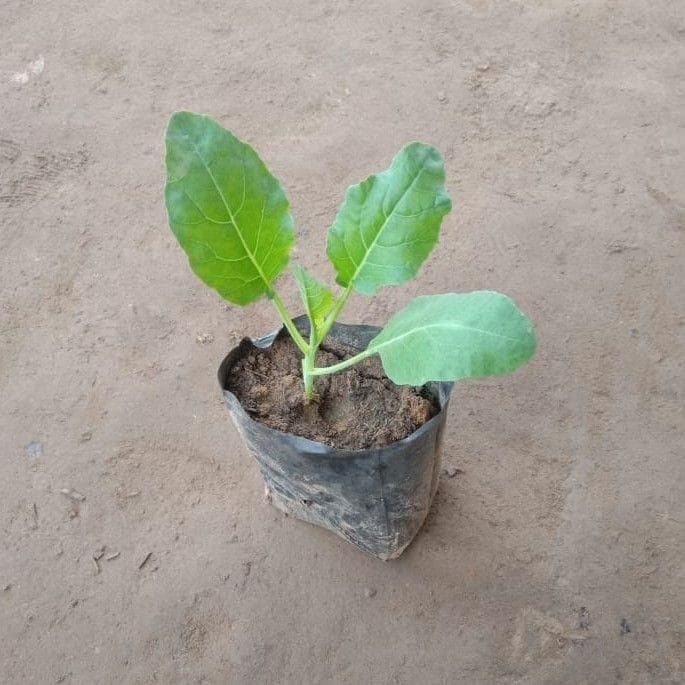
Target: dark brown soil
(354, 409)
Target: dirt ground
(556, 556)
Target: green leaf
(227, 211)
(389, 223)
(453, 336)
(318, 300)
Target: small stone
(370, 592)
(442, 97)
(86, 436)
(625, 627)
(204, 338)
(73, 494)
(451, 472)
(34, 450)
(7, 587)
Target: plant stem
(340, 366)
(288, 323)
(308, 367)
(309, 371)
(333, 315)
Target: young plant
(231, 217)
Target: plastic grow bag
(375, 498)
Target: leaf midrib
(440, 325)
(256, 265)
(383, 226)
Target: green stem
(308, 367)
(341, 366)
(288, 323)
(309, 350)
(330, 320)
(333, 315)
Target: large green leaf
(453, 336)
(227, 211)
(389, 223)
(317, 299)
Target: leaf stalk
(341, 366)
(333, 314)
(288, 323)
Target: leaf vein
(385, 222)
(420, 329)
(214, 252)
(257, 267)
(199, 209)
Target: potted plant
(353, 444)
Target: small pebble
(452, 471)
(34, 450)
(370, 592)
(72, 494)
(442, 97)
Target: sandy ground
(556, 557)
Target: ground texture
(555, 557)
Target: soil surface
(353, 409)
(553, 554)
